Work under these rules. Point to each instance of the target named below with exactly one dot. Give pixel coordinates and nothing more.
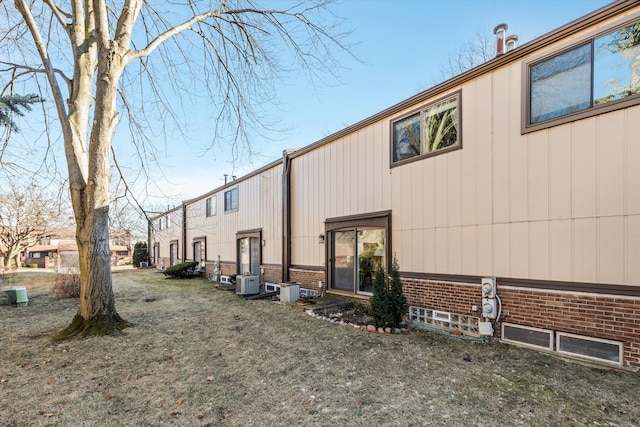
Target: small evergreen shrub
(182, 271)
(397, 301)
(379, 308)
(67, 285)
(388, 304)
(32, 265)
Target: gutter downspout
(286, 215)
(184, 232)
(149, 247)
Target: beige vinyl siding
(197, 226)
(560, 204)
(259, 207)
(165, 236)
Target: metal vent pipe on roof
(500, 31)
(511, 42)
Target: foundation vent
(589, 348)
(271, 287)
(441, 316)
(527, 336)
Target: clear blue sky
(403, 46)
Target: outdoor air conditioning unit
(247, 285)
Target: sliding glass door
(356, 254)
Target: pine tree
(140, 253)
(13, 104)
(398, 302)
(379, 308)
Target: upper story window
(231, 200)
(432, 130)
(160, 224)
(585, 79)
(210, 206)
(167, 222)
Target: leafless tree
(27, 212)
(106, 57)
(478, 50)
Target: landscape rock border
(336, 319)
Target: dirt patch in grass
(202, 356)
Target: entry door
(249, 255)
(196, 253)
(343, 257)
(173, 254)
(356, 255)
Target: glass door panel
(343, 256)
(245, 260)
(255, 256)
(370, 245)
(196, 252)
(173, 254)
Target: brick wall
(444, 296)
(599, 316)
(592, 315)
(227, 269)
(272, 274)
(308, 279)
(163, 262)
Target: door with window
(200, 252)
(173, 254)
(249, 253)
(356, 255)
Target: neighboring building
(524, 168)
(61, 250)
(167, 246)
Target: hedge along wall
(593, 315)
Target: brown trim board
(548, 285)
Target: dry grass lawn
(201, 356)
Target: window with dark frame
(585, 77)
(231, 200)
(210, 206)
(431, 130)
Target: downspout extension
(149, 231)
(184, 232)
(286, 215)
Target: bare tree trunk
(16, 258)
(86, 101)
(97, 313)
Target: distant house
(63, 252)
(510, 195)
